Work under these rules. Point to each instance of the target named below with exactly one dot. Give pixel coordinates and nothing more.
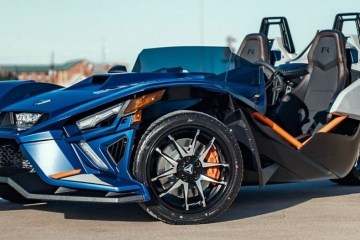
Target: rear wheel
(192, 166)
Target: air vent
(11, 156)
(99, 79)
(117, 149)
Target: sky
(117, 30)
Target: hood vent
(99, 79)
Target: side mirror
(117, 69)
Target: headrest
(328, 49)
(255, 47)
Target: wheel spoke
(179, 148)
(205, 152)
(176, 185)
(189, 151)
(167, 158)
(208, 165)
(201, 191)
(205, 178)
(165, 174)
(186, 194)
(193, 143)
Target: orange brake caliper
(213, 157)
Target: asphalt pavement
(311, 210)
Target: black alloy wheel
(192, 166)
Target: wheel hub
(188, 169)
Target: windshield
(214, 60)
(219, 62)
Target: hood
(102, 89)
(97, 90)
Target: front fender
(13, 91)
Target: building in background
(100, 68)
(63, 74)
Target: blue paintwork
(50, 150)
(12, 91)
(77, 99)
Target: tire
(9, 194)
(192, 166)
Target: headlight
(93, 120)
(133, 106)
(26, 120)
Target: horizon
(60, 31)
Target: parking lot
(312, 210)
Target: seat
(255, 47)
(305, 109)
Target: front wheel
(192, 166)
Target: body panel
(347, 102)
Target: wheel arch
(216, 103)
(212, 101)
